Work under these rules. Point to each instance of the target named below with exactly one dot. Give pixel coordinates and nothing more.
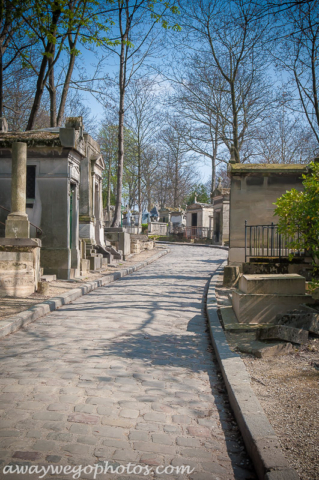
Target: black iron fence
(197, 232)
(266, 241)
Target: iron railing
(266, 241)
(37, 229)
(197, 232)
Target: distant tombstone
(154, 214)
(128, 218)
(145, 217)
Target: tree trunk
(52, 91)
(65, 90)
(1, 82)
(38, 94)
(40, 82)
(235, 121)
(117, 214)
(139, 196)
(109, 188)
(176, 182)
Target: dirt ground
(12, 305)
(287, 388)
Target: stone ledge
(22, 319)
(259, 437)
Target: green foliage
(298, 215)
(202, 195)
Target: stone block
(283, 332)
(264, 350)
(16, 273)
(67, 137)
(85, 266)
(231, 274)
(43, 288)
(17, 226)
(290, 284)
(48, 278)
(306, 321)
(258, 308)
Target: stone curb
(261, 441)
(14, 323)
(193, 244)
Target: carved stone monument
(19, 254)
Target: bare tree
(137, 22)
(230, 33)
(284, 138)
(179, 165)
(298, 54)
(143, 118)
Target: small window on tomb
(30, 185)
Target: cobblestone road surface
(126, 375)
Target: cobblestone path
(126, 375)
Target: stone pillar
(17, 224)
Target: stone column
(17, 224)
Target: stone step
(290, 284)
(48, 278)
(258, 308)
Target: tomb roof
(46, 138)
(267, 168)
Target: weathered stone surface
(83, 418)
(283, 332)
(306, 321)
(289, 284)
(263, 308)
(33, 456)
(262, 350)
(231, 275)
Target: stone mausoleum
(64, 196)
(254, 190)
(221, 215)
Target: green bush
(298, 216)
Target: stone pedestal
(19, 266)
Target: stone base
(258, 308)
(17, 226)
(17, 277)
(57, 261)
(290, 284)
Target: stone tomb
(254, 190)
(64, 196)
(259, 298)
